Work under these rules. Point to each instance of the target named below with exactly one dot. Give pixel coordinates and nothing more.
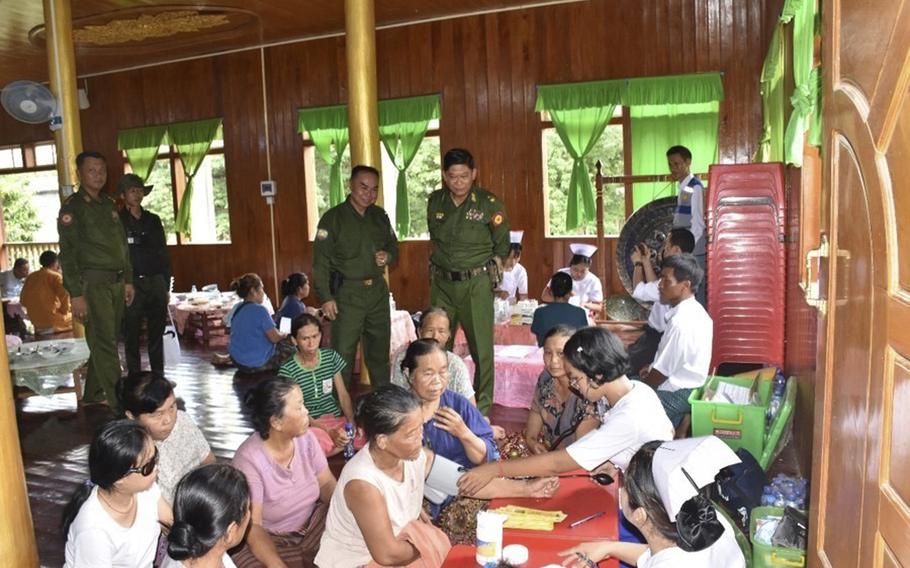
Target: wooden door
(861, 469)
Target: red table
(578, 498)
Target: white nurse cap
(680, 463)
(515, 237)
(583, 249)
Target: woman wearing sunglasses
(113, 519)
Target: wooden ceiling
(230, 25)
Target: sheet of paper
(284, 326)
(732, 393)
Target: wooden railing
(28, 251)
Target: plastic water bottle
(193, 289)
(349, 447)
(778, 388)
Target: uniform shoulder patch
(66, 219)
(322, 234)
(497, 219)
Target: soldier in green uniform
(96, 272)
(470, 234)
(354, 244)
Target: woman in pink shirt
(290, 482)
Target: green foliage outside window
(20, 216)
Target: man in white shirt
(684, 354)
(514, 285)
(690, 206)
(645, 281)
(12, 280)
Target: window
(29, 192)
(557, 169)
(424, 177)
(210, 222)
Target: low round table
(32, 366)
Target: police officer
(354, 244)
(470, 235)
(96, 272)
(151, 275)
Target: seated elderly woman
(558, 416)
(290, 481)
(256, 344)
(113, 518)
(211, 514)
(375, 514)
(452, 426)
(681, 526)
(434, 324)
(149, 399)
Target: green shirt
(317, 384)
(91, 237)
(347, 242)
(468, 235)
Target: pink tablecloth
(402, 334)
(516, 370)
(503, 334)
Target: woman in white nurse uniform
(587, 290)
(660, 495)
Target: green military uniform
(96, 265)
(463, 272)
(346, 244)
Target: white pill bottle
(489, 537)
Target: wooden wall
(485, 67)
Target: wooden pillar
(61, 65)
(17, 539)
(363, 104)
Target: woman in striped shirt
(318, 372)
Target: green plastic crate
(767, 556)
(743, 425)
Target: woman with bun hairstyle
(211, 514)
(112, 520)
(660, 497)
(294, 289)
(256, 344)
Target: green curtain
(328, 129)
(657, 127)
(141, 147)
(580, 112)
(805, 95)
(402, 126)
(666, 111)
(193, 140)
(771, 145)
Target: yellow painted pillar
(17, 539)
(61, 65)
(363, 102)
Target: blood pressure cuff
(442, 482)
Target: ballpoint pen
(585, 519)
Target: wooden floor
(55, 437)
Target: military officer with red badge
(97, 273)
(469, 229)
